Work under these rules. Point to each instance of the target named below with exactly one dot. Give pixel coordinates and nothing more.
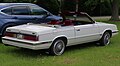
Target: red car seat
(67, 22)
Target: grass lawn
(80, 55)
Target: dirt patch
(67, 61)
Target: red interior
(53, 22)
(67, 22)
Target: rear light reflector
(9, 34)
(29, 37)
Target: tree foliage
(103, 7)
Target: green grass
(80, 55)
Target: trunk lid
(30, 29)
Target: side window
(36, 10)
(20, 10)
(82, 20)
(7, 11)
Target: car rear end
(24, 39)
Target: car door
(40, 14)
(87, 33)
(86, 30)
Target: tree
(114, 4)
(115, 11)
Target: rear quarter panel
(67, 31)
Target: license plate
(19, 36)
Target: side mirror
(46, 15)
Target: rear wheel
(105, 40)
(57, 48)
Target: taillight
(22, 36)
(29, 37)
(9, 34)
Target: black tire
(105, 40)
(57, 48)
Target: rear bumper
(26, 44)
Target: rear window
(7, 11)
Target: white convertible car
(57, 35)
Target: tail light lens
(26, 37)
(29, 37)
(9, 34)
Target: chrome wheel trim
(106, 38)
(59, 47)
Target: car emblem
(19, 36)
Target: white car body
(47, 34)
(56, 35)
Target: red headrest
(68, 22)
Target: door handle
(77, 29)
(15, 17)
